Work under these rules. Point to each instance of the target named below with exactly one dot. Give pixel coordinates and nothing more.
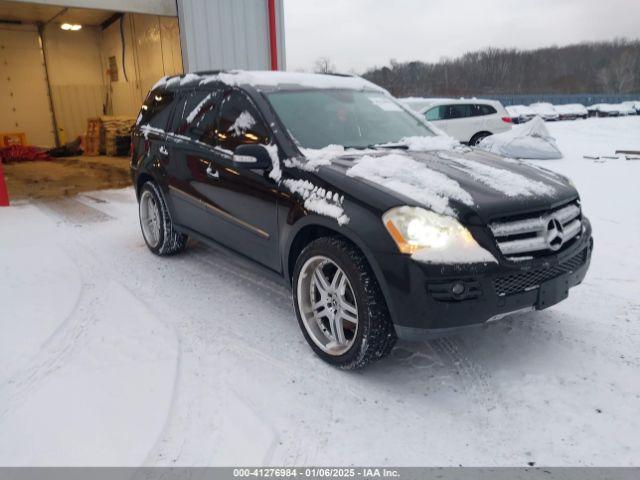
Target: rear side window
(156, 109)
(435, 113)
(480, 109)
(240, 123)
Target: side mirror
(251, 157)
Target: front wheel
(156, 224)
(339, 304)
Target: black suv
(381, 227)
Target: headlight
(433, 238)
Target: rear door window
(195, 113)
(156, 109)
(481, 109)
(457, 111)
(240, 123)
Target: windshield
(356, 119)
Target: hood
(462, 182)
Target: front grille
(522, 282)
(542, 233)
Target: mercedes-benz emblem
(555, 234)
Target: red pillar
(273, 34)
(4, 194)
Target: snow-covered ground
(112, 356)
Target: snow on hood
(528, 140)
(509, 183)
(316, 157)
(413, 179)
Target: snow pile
(510, 183)
(530, 140)
(412, 179)
(318, 200)
(243, 123)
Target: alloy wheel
(327, 305)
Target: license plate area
(553, 291)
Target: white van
(467, 120)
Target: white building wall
(228, 34)
(76, 76)
(24, 100)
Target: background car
(604, 110)
(625, 109)
(571, 111)
(520, 113)
(635, 104)
(466, 120)
(546, 111)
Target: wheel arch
(317, 227)
(143, 178)
(483, 133)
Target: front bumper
(422, 305)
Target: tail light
(507, 120)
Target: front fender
(292, 231)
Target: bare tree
(597, 67)
(324, 65)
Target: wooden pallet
(92, 138)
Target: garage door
(24, 101)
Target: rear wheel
(155, 222)
(339, 305)
(475, 140)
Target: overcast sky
(358, 34)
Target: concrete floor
(62, 177)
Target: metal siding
(228, 34)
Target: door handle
(163, 150)
(212, 172)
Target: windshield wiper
(376, 146)
(402, 146)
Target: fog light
(458, 289)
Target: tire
(374, 335)
(475, 140)
(157, 227)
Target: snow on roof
(543, 107)
(605, 107)
(571, 109)
(520, 110)
(272, 79)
